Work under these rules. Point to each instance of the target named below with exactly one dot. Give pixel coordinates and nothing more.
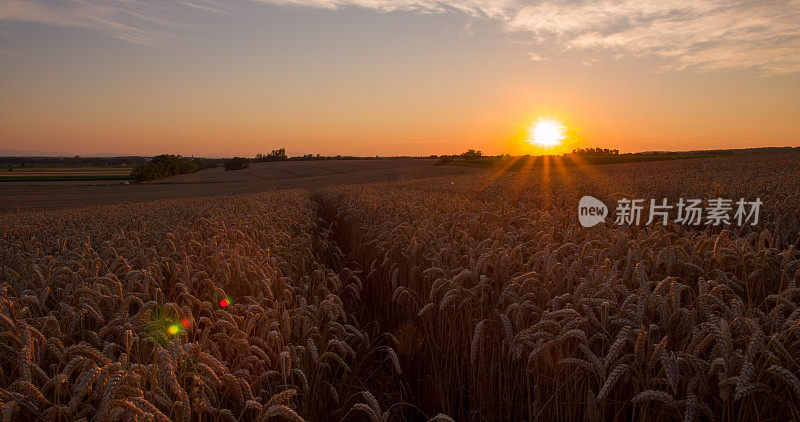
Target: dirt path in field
(410, 388)
(260, 177)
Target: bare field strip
(79, 169)
(260, 172)
(63, 178)
(61, 173)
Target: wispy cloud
(706, 35)
(535, 57)
(699, 34)
(137, 21)
(493, 9)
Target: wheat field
(462, 297)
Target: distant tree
(471, 154)
(310, 157)
(147, 171)
(237, 163)
(444, 159)
(166, 165)
(275, 155)
(595, 151)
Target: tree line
(595, 151)
(167, 165)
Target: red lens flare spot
(185, 322)
(224, 303)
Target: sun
(546, 133)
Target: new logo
(591, 211)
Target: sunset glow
(546, 133)
(393, 77)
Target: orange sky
(358, 81)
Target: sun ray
(587, 168)
(502, 170)
(565, 175)
(522, 175)
(545, 188)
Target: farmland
(51, 174)
(216, 181)
(411, 292)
